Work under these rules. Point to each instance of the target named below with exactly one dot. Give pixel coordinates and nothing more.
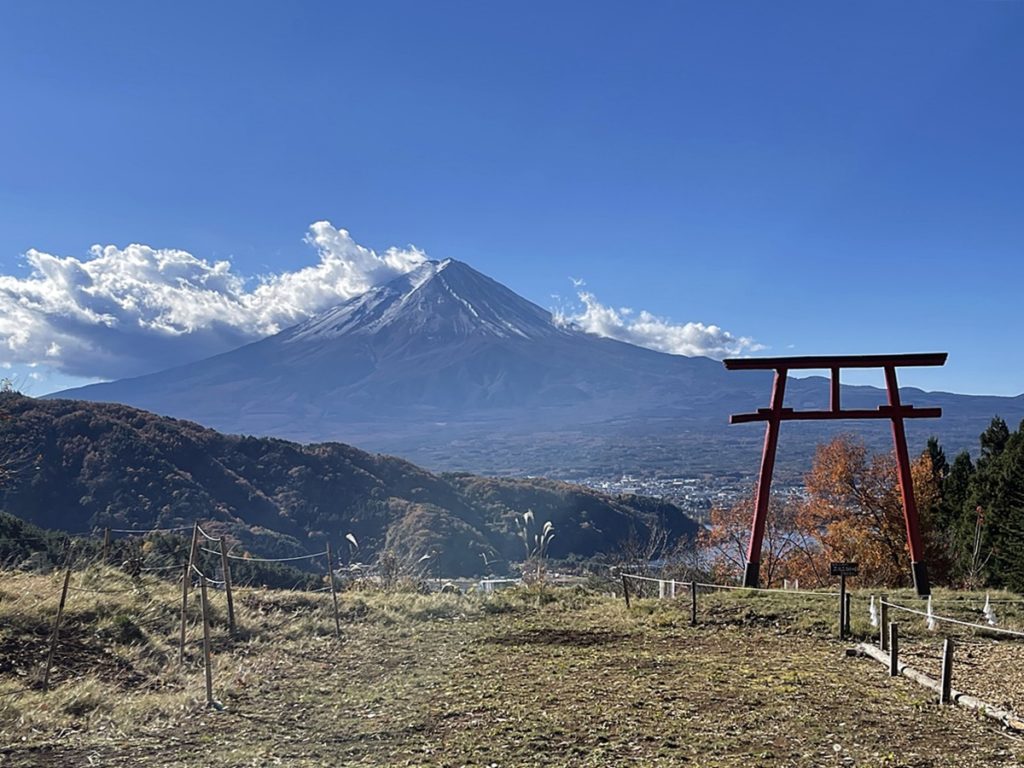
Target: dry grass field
(520, 678)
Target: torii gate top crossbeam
(834, 361)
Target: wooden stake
(186, 576)
(625, 589)
(894, 649)
(225, 566)
(185, 582)
(883, 622)
(106, 544)
(206, 642)
(693, 603)
(842, 607)
(56, 629)
(945, 694)
(334, 592)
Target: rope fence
(667, 589)
(706, 585)
(888, 649)
(250, 559)
(187, 573)
(932, 617)
(102, 591)
(207, 536)
(137, 531)
(888, 652)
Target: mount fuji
(447, 367)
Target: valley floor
(567, 679)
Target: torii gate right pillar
(906, 481)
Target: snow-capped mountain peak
(438, 298)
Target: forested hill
(76, 465)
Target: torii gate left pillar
(776, 413)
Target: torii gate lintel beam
(894, 411)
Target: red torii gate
(777, 413)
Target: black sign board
(843, 569)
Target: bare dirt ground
(566, 679)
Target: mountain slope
(441, 342)
(100, 465)
(452, 369)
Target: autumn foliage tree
(786, 553)
(854, 509)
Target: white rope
(648, 578)
(732, 586)
(55, 538)
(207, 578)
(29, 538)
(767, 589)
(208, 536)
(970, 599)
(151, 530)
(160, 567)
(266, 559)
(953, 621)
(100, 591)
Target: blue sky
(818, 177)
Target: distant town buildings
(695, 495)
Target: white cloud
(647, 330)
(126, 311)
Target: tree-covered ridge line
(79, 466)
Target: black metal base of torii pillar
(776, 413)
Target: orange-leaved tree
(854, 510)
(787, 552)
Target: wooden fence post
(894, 649)
(106, 544)
(206, 641)
(945, 695)
(334, 592)
(693, 603)
(186, 576)
(883, 622)
(225, 566)
(56, 629)
(625, 589)
(185, 583)
(842, 607)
